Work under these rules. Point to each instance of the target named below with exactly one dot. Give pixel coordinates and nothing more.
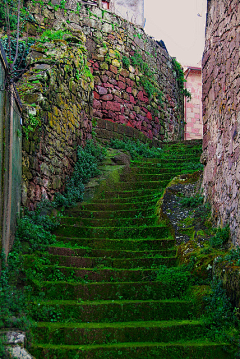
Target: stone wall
(119, 95)
(57, 96)
(221, 113)
(58, 90)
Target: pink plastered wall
(193, 108)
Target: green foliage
(51, 35)
(220, 238)
(12, 5)
(85, 168)
(12, 300)
(180, 78)
(191, 202)
(31, 124)
(126, 62)
(136, 148)
(219, 314)
(35, 235)
(233, 257)
(177, 277)
(23, 51)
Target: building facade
(193, 108)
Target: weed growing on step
(136, 148)
(85, 168)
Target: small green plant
(85, 168)
(177, 277)
(181, 79)
(126, 62)
(192, 202)
(220, 238)
(136, 148)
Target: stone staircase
(101, 297)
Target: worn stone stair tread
(144, 324)
(155, 231)
(105, 302)
(108, 252)
(110, 213)
(192, 343)
(104, 222)
(101, 274)
(131, 199)
(92, 262)
(117, 243)
(141, 290)
(92, 332)
(99, 205)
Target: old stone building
(131, 10)
(221, 113)
(193, 107)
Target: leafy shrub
(136, 148)
(191, 202)
(23, 51)
(177, 277)
(220, 238)
(126, 62)
(85, 168)
(50, 35)
(34, 234)
(219, 312)
(233, 256)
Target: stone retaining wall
(118, 93)
(221, 113)
(57, 91)
(57, 95)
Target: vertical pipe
(8, 193)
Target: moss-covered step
(92, 262)
(109, 253)
(150, 162)
(142, 198)
(129, 193)
(117, 332)
(76, 212)
(141, 185)
(109, 222)
(113, 232)
(115, 206)
(119, 244)
(87, 275)
(111, 311)
(201, 349)
(106, 291)
(146, 177)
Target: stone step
(129, 263)
(119, 244)
(101, 214)
(158, 185)
(112, 311)
(96, 206)
(117, 199)
(106, 222)
(146, 177)
(106, 291)
(87, 275)
(201, 349)
(112, 232)
(88, 252)
(98, 333)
